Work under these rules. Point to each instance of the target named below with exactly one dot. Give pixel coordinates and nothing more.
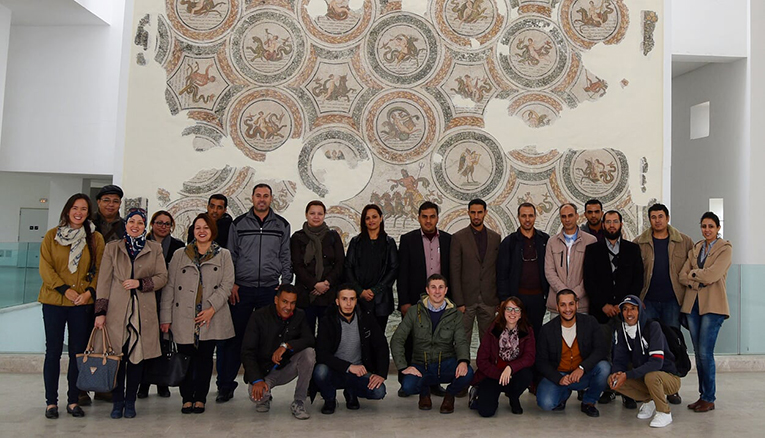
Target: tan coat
(564, 271)
(149, 266)
(179, 297)
(470, 277)
(679, 245)
(712, 297)
(54, 270)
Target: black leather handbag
(170, 368)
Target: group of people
(229, 292)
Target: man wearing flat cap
(108, 220)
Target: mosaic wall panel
(394, 103)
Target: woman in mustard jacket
(69, 272)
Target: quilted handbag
(170, 368)
(98, 370)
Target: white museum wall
(61, 96)
(755, 208)
(710, 27)
(5, 30)
(20, 191)
(714, 166)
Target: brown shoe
(425, 404)
(447, 407)
(704, 406)
(693, 405)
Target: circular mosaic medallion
(599, 173)
(402, 49)
(468, 165)
(268, 47)
(341, 26)
(401, 126)
(536, 55)
(461, 21)
(202, 20)
(588, 22)
(344, 220)
(262, 120)
(333, 146)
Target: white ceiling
(50, 13)
(683, 67)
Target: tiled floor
(739, 413)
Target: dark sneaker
(628, 403)
(674, 399)
(590, 410)
(606, 398)
(224, 395)
(561, 406)
(329, 407)
(351, 401)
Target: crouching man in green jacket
(441, 353)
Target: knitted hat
(110, 189)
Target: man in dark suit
(613, 269)
(422, 253)
(473, 268)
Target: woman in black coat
(162, 227)
(317, 260)
(372, 265)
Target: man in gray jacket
(259, 242)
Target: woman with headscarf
(162, 225)
(133, 269)
(195, 307)
(70, 257)
(317, 259)
(372, 265)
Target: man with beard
(571, 353)
(521, 266)
(473, 267)
(259, 242)
(351, 353)
(564, 259)
(613, 269)
(217, 207)
(593, 212)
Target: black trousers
(131, 372)
(55, 319)
(489, 391)
(196, 385)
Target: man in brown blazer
(473, 266)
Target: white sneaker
(661, 420)
(646, 410)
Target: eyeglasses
(512, 309)
(162, 224)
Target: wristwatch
(284, 344)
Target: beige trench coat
(149, 267)
(712, 297)
(179, 297)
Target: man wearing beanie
(641, 344)
(108, 220)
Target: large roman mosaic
(397, 103)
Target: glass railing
(19, 273)
(740, 334)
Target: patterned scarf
(192, 252)
(509, 345)
(75, 238)
(134, 245)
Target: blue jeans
(551, 394)
(329, 381)
(79, 320)
(704, 330)
(250, 299)
(667, 312)
(433, 374)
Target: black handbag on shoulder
(170, 368)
